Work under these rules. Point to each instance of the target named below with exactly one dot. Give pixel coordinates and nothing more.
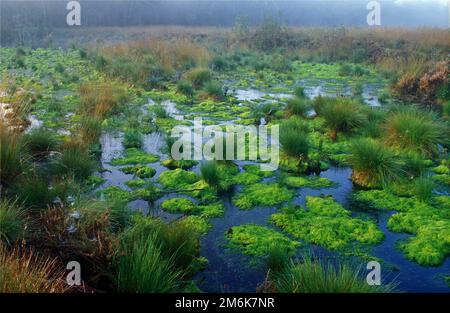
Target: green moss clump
(383, 200)
(196, 223)
(256, 169)
(178, 179)
(183, 164)
(178, 205)
(136, 183)
(258, 240)
(135, 156)
(326, 223)
(431, 245)
(441, 169)
(246, 179)
(216, 209)
(141, 171)
(94, 181)
(262, 195)
(116, 193)
(308, 182)
(442, 179)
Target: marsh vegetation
(86, 172)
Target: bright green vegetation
(258, 240)
(178, 205)
(307, 182)
(431, 228)
(326, 223)
(384, 200)
(252, 175)
(429, 224)
(135, 156)
(262, 195)
(318, 276)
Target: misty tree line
(28, 21)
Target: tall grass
(318, 276)
(40, 142)
(423, 188)
(133, 139)
(415, 130)
(90, 129)
(12, 221)
(25, 272)
(210, 173)
(141, 267)
(74, 161)
(12, 155)
(198, 77)
(298, 107)
(373, 164)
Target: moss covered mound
(210, 210)
(141, 171)
(262, 195)
(326, 223)
(178, 205)
(258, 240)
(178, 179)
(135, 156)
(308, 182)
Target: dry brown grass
(26, 272)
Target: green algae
(178, 205)
(141, 171)
(325, 222)
(441, 169)
(262, 195)
(314, 182)
(135, 156)
(257, 240)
